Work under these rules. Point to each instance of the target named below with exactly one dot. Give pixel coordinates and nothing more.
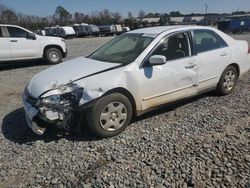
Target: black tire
(94, 115)
(53, 56)
(221, 88)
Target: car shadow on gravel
(20, 64)
(15, 129)
(172, 106)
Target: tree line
(63, 17)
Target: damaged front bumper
(30, 113)
(40, 116)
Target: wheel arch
(53, 46)
(237, 67)
(126, 93)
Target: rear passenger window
(207, 41)
(17, 32)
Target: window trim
(191, 49)
(216, 35)
(5, 32)
(1, 32)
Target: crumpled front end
(58, 106)
(59, 95)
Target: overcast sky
(47, 7)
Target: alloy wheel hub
(113, 116)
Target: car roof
(160, 29)
(6, 25)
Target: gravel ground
(200, 142)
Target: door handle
(190, 66)
(224, 54)
(14, 41)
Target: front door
(22, 47)
(176, 79)
(4, 47)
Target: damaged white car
(134, 73)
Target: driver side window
(174, 47)
(17, 32)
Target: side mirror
(157, 60)
(31, 36)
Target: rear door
(5, 53)
(21, 47)
(213, 56)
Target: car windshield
(123, 49)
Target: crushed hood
(64, 73)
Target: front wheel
(227, 81)
(53, 56)
(110, 115)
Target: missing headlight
(68, 95)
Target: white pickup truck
(17, 43)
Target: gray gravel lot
(200, 142)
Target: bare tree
(8, 16)
(130, 21)
(130, 15)
(2, 8)
(62, 15)
(105, 16)
(141, 14)
(117, 17)
(78, 17)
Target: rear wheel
(227, 81)
(110, 115)
(53, 56)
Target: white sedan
(133, 73)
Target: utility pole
(206, 7)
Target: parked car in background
(63, 32)
(135, 72)
(67, 32)
(107, 30)
(49, 31)
(83, 30)
(94, 30)
(125, 29)
(118, 29)
(17, 43)
(40, 32)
